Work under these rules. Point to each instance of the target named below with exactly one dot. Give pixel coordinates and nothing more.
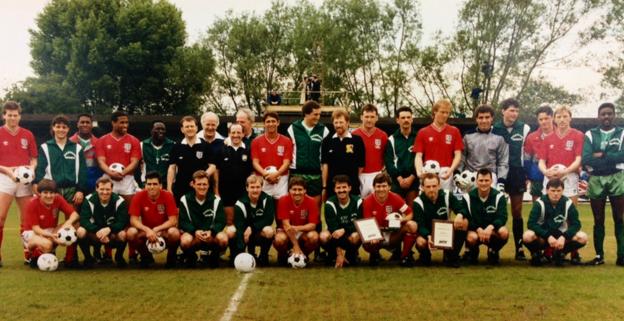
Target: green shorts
(536, 188)
(314, 183)
(602, 186)
(67, 193)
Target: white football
(67, 236)
(465, 180)
(116, 167)
(297, 261)
(559, 168)
(271, 169)
(156, 247)
(244, 262)
(47, 262)
(431, 166)
(24, 175)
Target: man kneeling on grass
(341, 237)
(254, 214)
(42, 220)
(486, 208)
(202, 221)
(153, 214)
(435, 203)
(103, 218)
(297, 216)
(384, 206)
(553, 223)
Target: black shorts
(516, 181)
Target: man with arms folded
(153, 213)
(380, 205)
(341, 237)
(435, 203)
(202, 221)
(254, 214)
(553, 223)
(603, 157)
(297, 216)
(399, 156)
(103, 219)
(532, 145)
(375, 141)
(486, 209)
(440, 142)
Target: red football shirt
(374, 147)
(271, 153)
(118, 150)
(17, 149)
(45, 216)
(153, 213)
(305, 213)
(438, 144)
(394, 203)
(562, 149)
(533, 143)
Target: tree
(118, 54)
(540, 91)
(44, 95)
(501, 43)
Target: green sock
(619, 239)
(599, 235)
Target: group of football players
(207, 193)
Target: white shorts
(8, 186)
(126, 186)
(27, 235)
(570, 185)
(446, 184)
(278, 189)
(366, 183)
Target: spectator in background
(274, 98)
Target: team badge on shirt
(244, 158)
(377, 143)
(442, 211)
(70, 155)
(208, 213)
(349, 148)
(430, 138)
(388, 209)
(127, 147)
(303, 214)
(559, 218)
(280, 150)
(5, 143)
(569, 144)
(490, 209)
(24, 143)
(161, 209)
(448, 139)
(199, 154)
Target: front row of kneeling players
(153, 220)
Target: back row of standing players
(506, 149)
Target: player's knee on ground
(354, 238)
(222, 239)
(472, 238)
(580, 237)
(324, 237)
(528, 236)
(186, 241)
(132, 234)
(410, 227)
(81, 232)
(121, 236)
(312, 237)
(503, 233)
(267, 232)
(422, 243)
(230, 232)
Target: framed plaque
(368, 229)
(442, 234)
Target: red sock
(408, 241)
(36, 253)
(548, 252)
(27, 254)
(70, 254)
(1, 235)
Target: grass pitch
(512, 291)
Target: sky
(579, 76)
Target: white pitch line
(236, 298)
